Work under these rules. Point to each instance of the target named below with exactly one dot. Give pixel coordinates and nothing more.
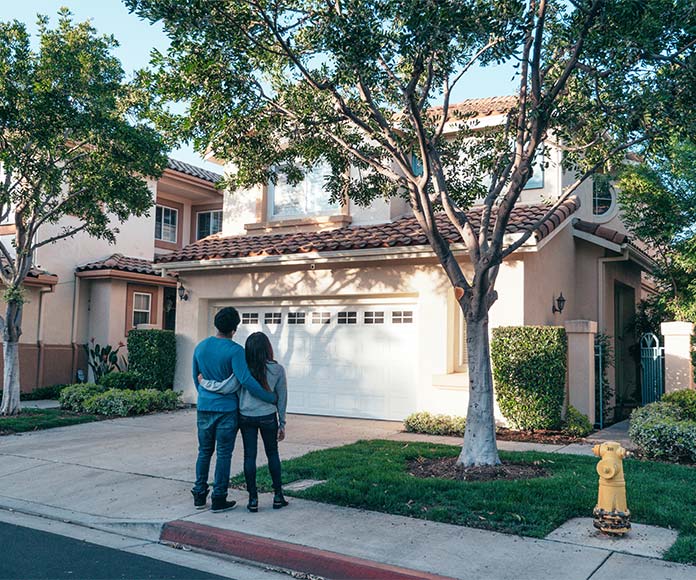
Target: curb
(286, 555)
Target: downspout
(39, 336)
(73, 330)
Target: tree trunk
(11, 385)
(479, 436)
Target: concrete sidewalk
(133, 476)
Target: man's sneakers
(220, 504)
(199, 499)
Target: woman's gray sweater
(250, 405)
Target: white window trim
(176, 228)
(608, 215)
(198, 213)
(149, 309)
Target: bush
(662, 431)
(72, 397)
(152, 355)
(577, 424)
(40, 393)
(123, 380)
(529, 370)
(685, 400)
(121, 402)
(432, 424)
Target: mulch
(541, 436)
(447, 468)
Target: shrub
(152, 355)
(577, 424)
(72, 397)
(431, 424)
(122, 380)
(662, 431)
(685, 400)
(121, 402)
(529, 369)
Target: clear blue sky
(137, 38)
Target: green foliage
(604, 342)
(152, 355)
(662, 430)
(576, 424)
(122, 403)
(529, 370)
(372, 475)
(35, 419)
(432, 424)
(123, 380)
(685, 400)
(72, 397)
(39, 393)
(102, 359)
(14, 294)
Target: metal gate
(652, 378)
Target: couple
(237, 390)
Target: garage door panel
(363, 369)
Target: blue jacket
(218, 358)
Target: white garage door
(348, 361)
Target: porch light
(558, 304)
(183, 295)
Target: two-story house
(84, 289)
(358, 309)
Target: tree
(276, 85)
(658, 200)
(73, 151)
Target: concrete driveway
(141, 465)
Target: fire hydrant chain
(611, 513)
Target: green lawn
(372, 475)
(35, 419)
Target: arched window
(602, 194)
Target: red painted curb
(286, 555)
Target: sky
(138, 37)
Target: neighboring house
(84, 289)
(360, 312)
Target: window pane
(309, 197)
(141, 318)
(321, 317)
(141, 301)
(165, 224)
(215, 222)
(602, 194)
(203, 225)
(158, 223)
(288, 200)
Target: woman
(257, 416)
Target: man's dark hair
(227, 320)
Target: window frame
(155, 314)
(163, 207)
(208, 211)
(135, 310)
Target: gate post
(679, 372)
(581, 366)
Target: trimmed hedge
(152, 355)
(529, 370)
(40, 393)
(431, 424)
(73, 397)
(123, 380)
(685, 400)
(662, 431)
(91, 398)
(577, 424)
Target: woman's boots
(279, 500)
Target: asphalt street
(32, 554)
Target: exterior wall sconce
(558, 304)
(183, 294)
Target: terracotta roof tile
(601, 232)
(479, 107)
(403, 232)
(189, 169)
(121, 263)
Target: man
(218, 357)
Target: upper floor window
(602, 194)
(307, 198)
(166, 220)
(208, 223)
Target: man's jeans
(215, 429)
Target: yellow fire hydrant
(611, 513)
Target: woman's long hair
(258, 352)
